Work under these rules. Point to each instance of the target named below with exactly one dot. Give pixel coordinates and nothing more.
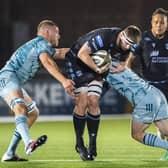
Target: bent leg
(139, 134)
(31, 118)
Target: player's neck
(158, 36)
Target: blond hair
(45, 23)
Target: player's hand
(69, 86)
(103, 68)
(118, 67)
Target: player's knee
(80, 109)
(137, 136)
(134, 136)
(93, 102)
(93, 106)
(18, 106)
(34, 113)
(164, 132)
(20, 109)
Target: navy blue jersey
(99, 39)
(153, 54)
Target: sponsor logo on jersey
(99, 41)
(78, 73)
(94, 45)
(147, 39)
(154, 53)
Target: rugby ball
(101, 57)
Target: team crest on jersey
(166, 46)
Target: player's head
(129, 36)
(50, 31)
(159, 22)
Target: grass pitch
(116, 149)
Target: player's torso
(129, 85)
(25, 61)
(155, 57)
(99, 39)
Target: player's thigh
(10, 89)
(81, 95)
(16, 102)
(81, 100)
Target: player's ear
(47, 31)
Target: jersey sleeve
(95, 43)
(45, 47)
(136, 49)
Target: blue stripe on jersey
(99, 41)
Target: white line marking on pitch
(102, 160)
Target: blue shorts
(8, 83)
(152, 107)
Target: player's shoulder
(147, 35)
(111, 29)
(107, 29)
(166, 34)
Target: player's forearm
(53, 69)
(88, 61)
(57, 75)
(129, 60)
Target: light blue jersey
(149, 103)
(129, 85)
(25, 61)
(23, 65)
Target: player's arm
(84, 56)
(51, 66)
(130, 60)
(123, 64)
(60, 53)
(136, 50)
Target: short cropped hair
(160, 11)
(45, 23)
(134, 33)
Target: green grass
(116, 149)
